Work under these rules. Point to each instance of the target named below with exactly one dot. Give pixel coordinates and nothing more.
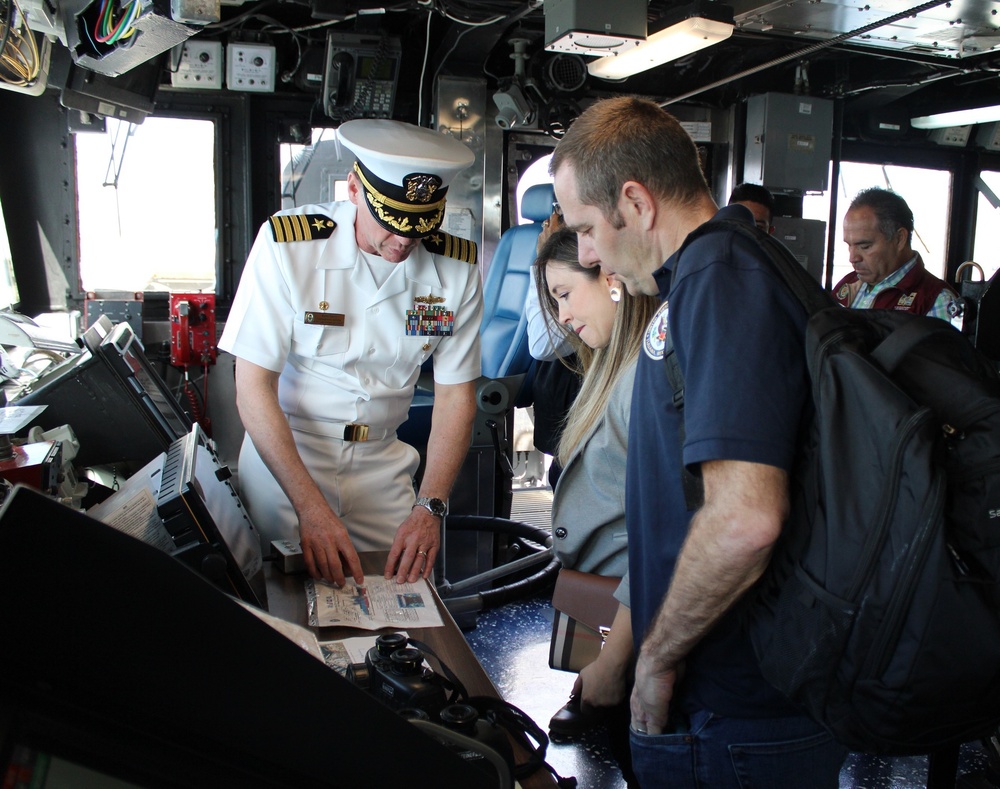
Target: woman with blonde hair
(605, 325)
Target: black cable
(9, 23)
(504, 18)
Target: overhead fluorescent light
(698, 26)
(946, 120)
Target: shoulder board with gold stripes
(452, 246)
(301, 227)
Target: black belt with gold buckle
(355, 432)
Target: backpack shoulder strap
(806, 289)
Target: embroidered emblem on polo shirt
(655, 339)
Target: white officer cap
(405, 171)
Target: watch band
(433, 505)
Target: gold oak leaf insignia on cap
(441, 243)
(301, 227)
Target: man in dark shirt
(759, 200)
(629, 183)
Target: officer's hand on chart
(327, 549)
(654, 688)
(415, 548)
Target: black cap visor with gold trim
(412, 210)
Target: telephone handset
(360, 77)
(342, 79)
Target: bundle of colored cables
(19, 60)
(108, 30)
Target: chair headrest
(537, 202)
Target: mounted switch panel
(192, 329)
(200, 66)
(250, 67)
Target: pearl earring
(616, 294)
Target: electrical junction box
(954, 136)
(200, 66)
(988, 136)
(789, 142)
(116, 306)
(250, 67)
(155, 31)
(196, 12)
(806, 239)
(192, 329)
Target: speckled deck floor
(512, 644)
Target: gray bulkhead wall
(474, 207)
(38, 185)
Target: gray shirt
(588, 508)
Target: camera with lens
(395, 674)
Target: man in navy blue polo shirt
(629, 182)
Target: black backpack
(880, 610)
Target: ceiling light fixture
(694, 27)
(594, 27)
(946, 120)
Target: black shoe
(572, 720)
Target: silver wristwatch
(433, 506)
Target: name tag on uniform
(325, 318)
(429, 322)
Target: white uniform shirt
(546, 342)
(362, 371)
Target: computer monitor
(120, 660)
(111, 395)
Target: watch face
(434, 506)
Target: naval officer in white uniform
(338, 306)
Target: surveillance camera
(513, 108)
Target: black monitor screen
(113, 399)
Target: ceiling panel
(956, 29)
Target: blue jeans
(711, 752)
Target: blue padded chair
(504, 331)
(507, 366)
